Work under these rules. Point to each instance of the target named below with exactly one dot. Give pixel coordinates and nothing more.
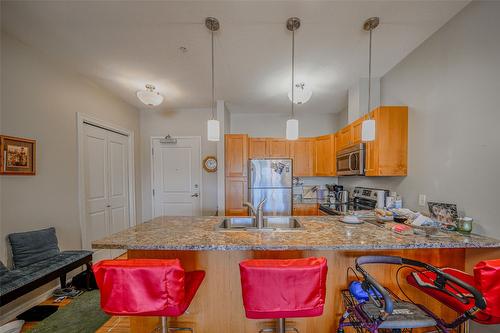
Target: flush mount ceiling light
(292, 124)
(302, 93)
(149, 96)
(368, 125)
(213, 125)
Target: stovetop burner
(345, 207)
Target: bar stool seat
(146, 287)
(279, 289)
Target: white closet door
(106, 185)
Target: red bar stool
(279, 289)
(146, 287)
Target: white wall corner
(223, 117)
(358, 98)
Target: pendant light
(302, 93)
(213, 125)
(368, 125)
(149, 96)
(292, 124)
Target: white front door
(105, 164)
(176, 177)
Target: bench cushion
(19, 277)
(3, 269)
(33, 246)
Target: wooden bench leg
(62, 278)
(87, 278)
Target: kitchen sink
(270, 223)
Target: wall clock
(210, 164)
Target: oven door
(350, 163)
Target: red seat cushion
(484, 273)
(146, 287)
(291, 288)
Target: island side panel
(218, 307)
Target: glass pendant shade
(292, 129)
(149, 96)
(368, 130)
(301, 94)
(213, 130)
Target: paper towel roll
(380, 199)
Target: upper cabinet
(302, 154)
(236, 155)
(324, 156)
(268, 148)
(388, 154)
(257, 148)
(349, 135)
(278, 148)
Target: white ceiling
(123, 45)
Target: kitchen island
(218, 306)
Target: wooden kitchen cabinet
(236, 195)
(302, 154)
(236, 155)
(387, 155)
(356, 127)
(324, 156)
(257, 148)
(343, 138)
(278, 148)
(305, 209)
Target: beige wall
(39, 100)
(451, 85)
(274, 125)
(185, 122)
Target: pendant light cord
(369, 74)
(293, 70)
(213, 78)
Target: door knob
(195, 195)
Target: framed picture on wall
(18, 156)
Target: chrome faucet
(257, 212)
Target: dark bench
(37, 261)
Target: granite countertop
(319, 233)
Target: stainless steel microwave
(351, 161)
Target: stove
(363, 199)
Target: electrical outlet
(422, 199)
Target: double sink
(271, 223)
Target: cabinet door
(257, 148)
(236, 155)
(302, 154)
(305, 209)
(356, 127)
(278, 148)
(344, 137)
(236, 195)
(324, 155)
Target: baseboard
(11, 315)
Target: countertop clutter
(319, 233)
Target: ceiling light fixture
(302, 93)
(292, 124)
(213, 125)
(149, 96)
(368, 125)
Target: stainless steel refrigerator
(271, 179)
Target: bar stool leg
(164, 325)
(280, 325)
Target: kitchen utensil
(343, 196)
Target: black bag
(79, 281)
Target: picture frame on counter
(17, 156)
(443, 212)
